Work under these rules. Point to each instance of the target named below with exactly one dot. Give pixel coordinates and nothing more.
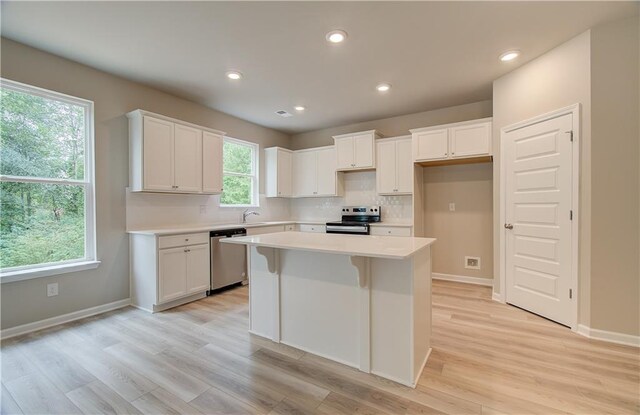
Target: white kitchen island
(364, 301)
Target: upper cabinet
(394, 171)
(469, 139)
(302, 173)
(278, 165)
(168, 155)
(356, 151)
(314, 173)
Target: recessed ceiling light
(336, 36)
(235, 75)
(383, 87)
(509, 55)
(299, 108)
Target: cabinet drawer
(183, 240)
(312, 228)
(390, 231)
(265, 229)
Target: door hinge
(570, 135)
(570, 293)
(571, 215)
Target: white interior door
(538, 184)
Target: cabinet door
(326, 164)
(404, 167)
(364, 150)
(386, 168)
(158, 154)
(345, 153)
(470, 140)
(211, 163)
(431, 145)
(198, 276)
(284, 181)
(172, 270)
(187, 159)
(305, 173)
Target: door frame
(575, 110)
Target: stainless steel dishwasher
(228, 261)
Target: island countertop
(391, 247)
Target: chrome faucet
(248, 213)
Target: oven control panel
(361, 210)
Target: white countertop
(221, 226)
(392, 247)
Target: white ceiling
(435, 54)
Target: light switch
(452, 207)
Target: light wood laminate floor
(488, 358)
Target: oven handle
(352, 229)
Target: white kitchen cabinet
(260, 230)
(198, 268)
(158, 154)
(172, 270)
(169, 155)
(356, 151)
(187, 175)
(394, 166)
(431, 145)
(327, 178)
(390, 230)
(469, 139)
(278, 168)
(305, 227)
(314, 173)
(167, 271)
(212, 162)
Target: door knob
(508, 226)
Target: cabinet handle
(186, 240)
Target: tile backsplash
(158, 210)
(359, 189)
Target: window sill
(239, 206)
(27, 274)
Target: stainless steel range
(355, 220)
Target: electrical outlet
(52, 289)
(452, 207)
(203, 209)
(472, 262)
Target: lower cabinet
(166, 269)
(391, 230)
(304, 227)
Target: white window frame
(255, 182)
(90, 259)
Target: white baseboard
(65, 318)
(461, 278)
(609, 336)
(497, 297)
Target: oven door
(348, 229)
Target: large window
(46, 180)
(240, 167)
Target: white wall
(26, 301)
(599, 70)
(557, 79)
